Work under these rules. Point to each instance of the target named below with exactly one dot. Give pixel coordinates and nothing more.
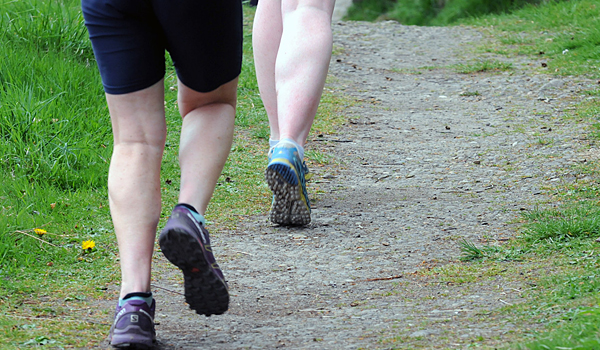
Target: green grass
(581, 332)
(369, 10)
(556, 253)
(565, 33)
(482, 66)
(54, 156)
(471, 252)
(561, 240)
(560, 244)
(427, 12)
(55, 145)
(45, 66)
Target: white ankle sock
(298, 147)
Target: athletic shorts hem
(208, 87)
(122, 90)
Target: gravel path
(429, 157)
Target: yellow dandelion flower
(88, 245)
(40, 231)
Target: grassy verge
(565, 35)
(55, 145)
(427, 12)
(556, 253)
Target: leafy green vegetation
(427, 12)
(369, 10)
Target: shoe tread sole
(205, 292)
(289, 208)
(132, 346)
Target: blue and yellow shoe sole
(290, 206)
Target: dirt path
(427, 159)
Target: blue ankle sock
(147, 297)
(194, 213)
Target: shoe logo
(135, 318)
(118, 315)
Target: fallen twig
(456, 310)
(241, 252)
(314, 310)
(383, 177)
(381, 278)
(32, 236)
(382, 165)
(332, 140)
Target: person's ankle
(144, 296)
(199, 217)
(296, 144)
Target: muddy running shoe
(133, 326)
(285, 176)
(185, 242)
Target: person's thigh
(139, 117)
(204, 38)
(189, 99)
(128, 43)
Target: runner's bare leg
(139, 130)
(292, 47)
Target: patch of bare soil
(429, 157)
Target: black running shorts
(129, 37)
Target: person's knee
(141, 142)
(140, 133)
(190, 100)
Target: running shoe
(285, 176)
(186, 243)
(134, 325)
